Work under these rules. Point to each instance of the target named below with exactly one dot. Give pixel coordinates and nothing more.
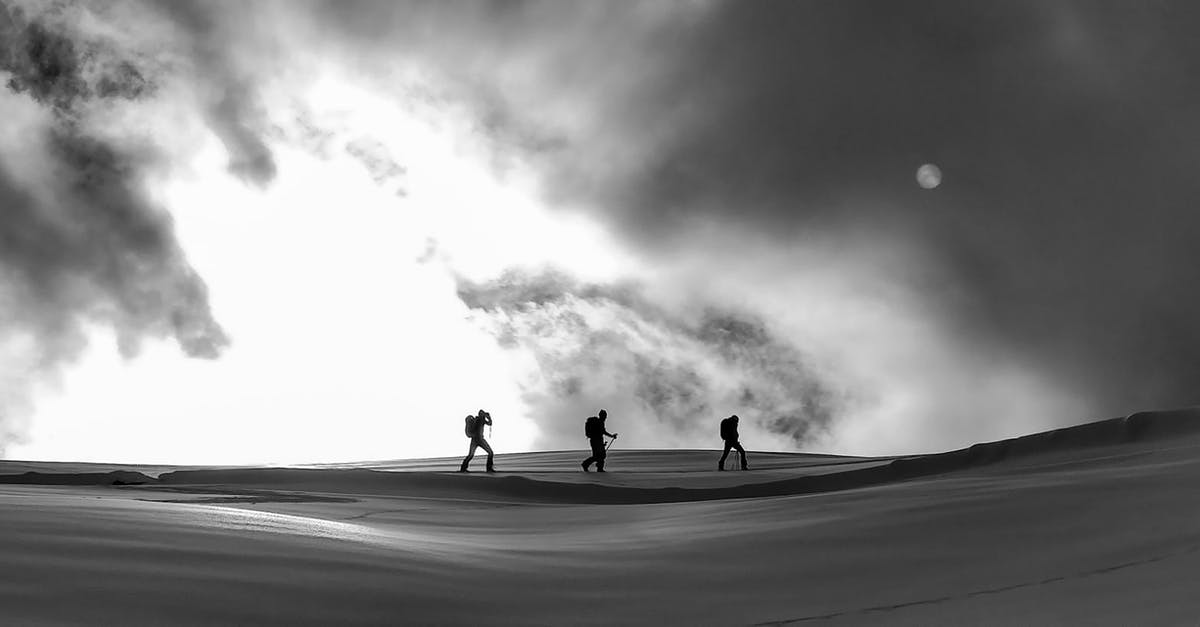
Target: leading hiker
(593, 428)
(474, 430)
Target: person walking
(729, 433)
(474, 430)
(595, 431)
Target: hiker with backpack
(593, 428)
(729, 433)
(474, 430)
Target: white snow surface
(1070, 527)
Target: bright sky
(349, 341)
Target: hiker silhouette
(594, 429)
(729, 433)
(474, 430)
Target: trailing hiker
(729, 433)
(593, 428)
(474, 430)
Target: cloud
(1062, 234)
(665, 378)
(81, 242)
(230, 55)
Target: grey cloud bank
(1063, 233)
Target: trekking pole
(609, 444)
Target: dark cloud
(1065, 212)
(667, 376)
(85, 245)
(1064, 229)
(58, 71)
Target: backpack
(592, 428)
(469, 429)
(727, 429)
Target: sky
(287, 232)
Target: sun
(929, 176)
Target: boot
(585, 466)
(721, 467)
(463, 468)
